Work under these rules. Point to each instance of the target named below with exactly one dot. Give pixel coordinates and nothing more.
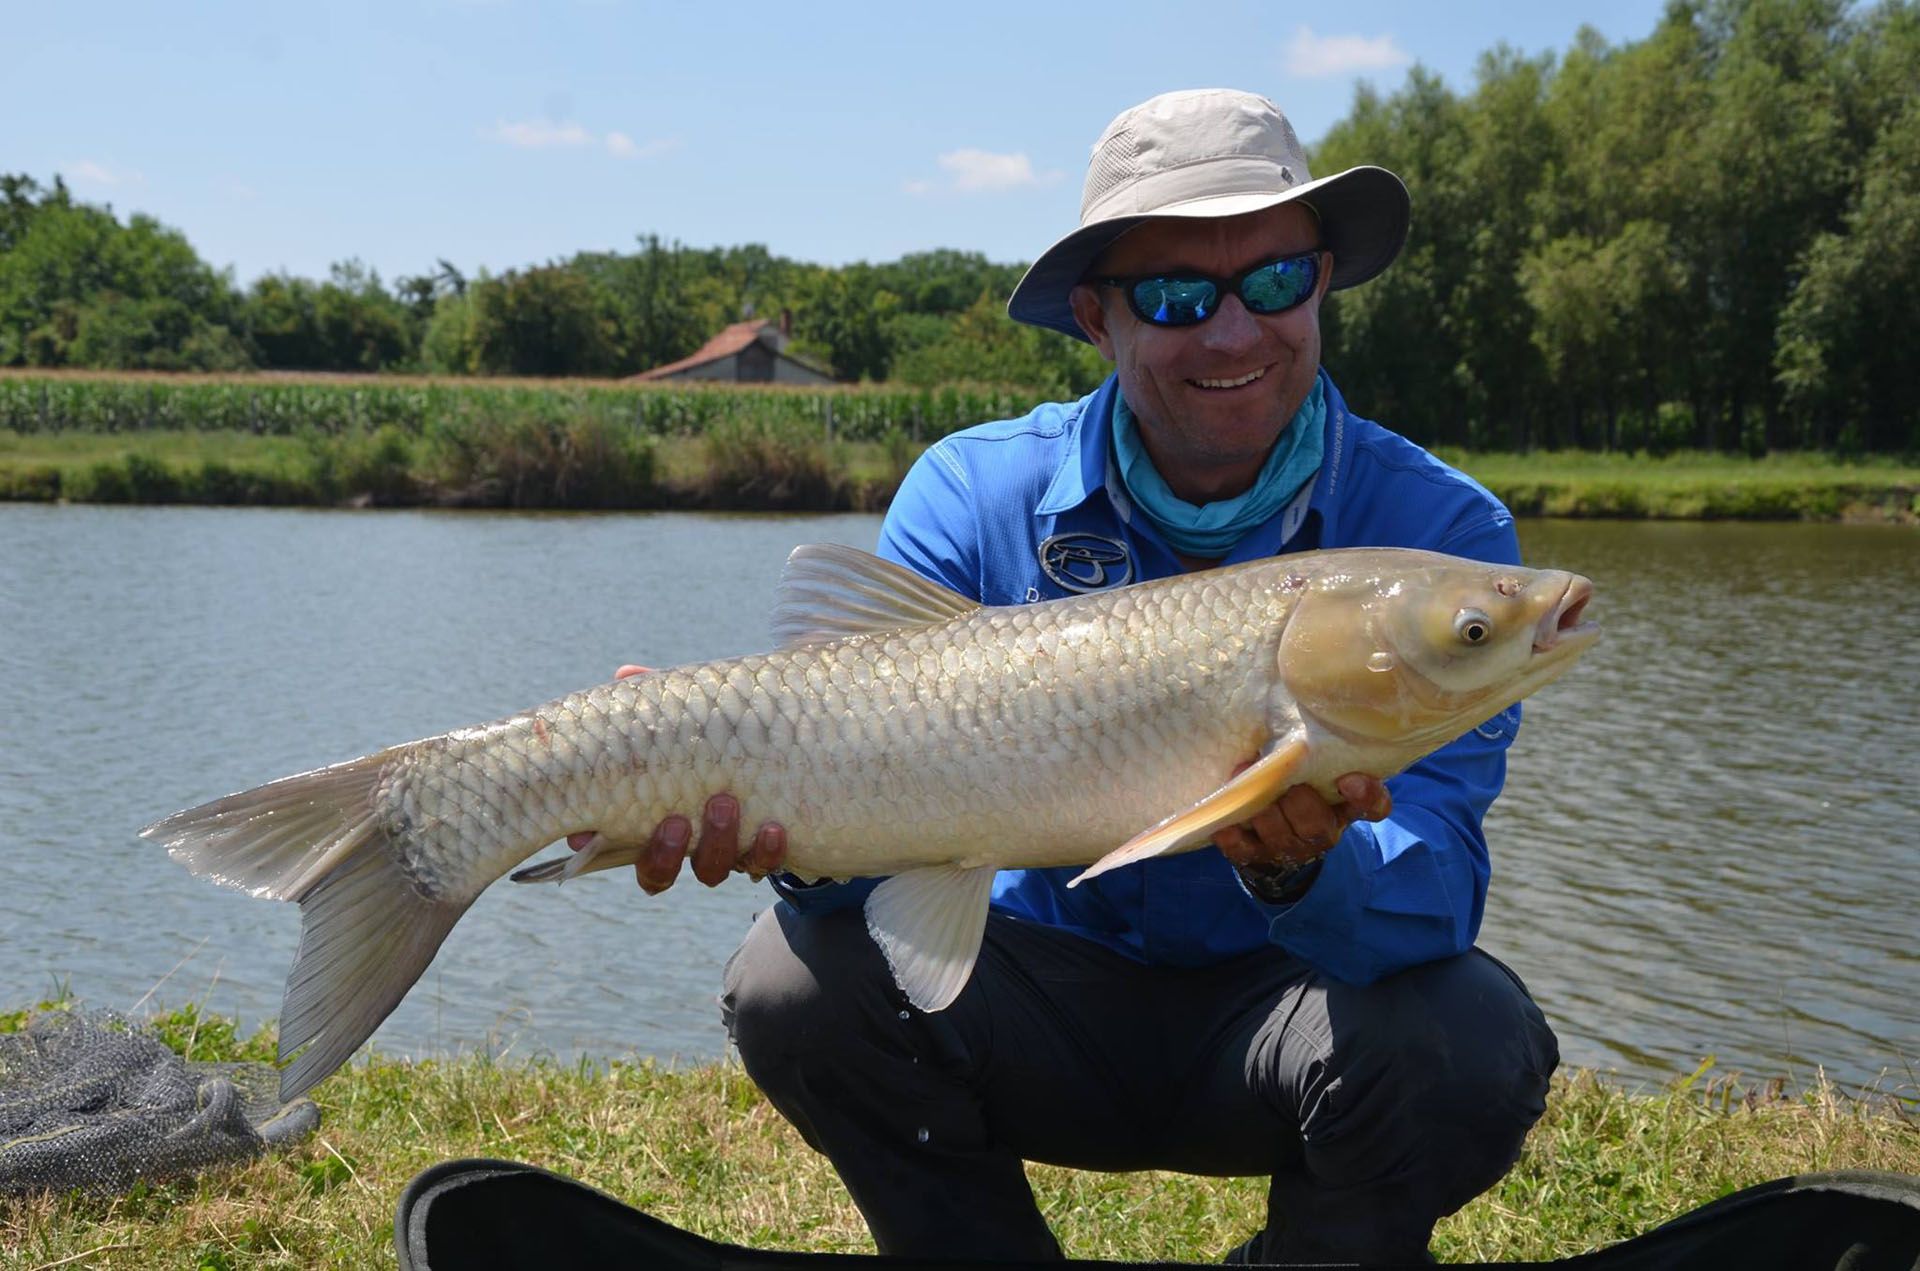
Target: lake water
(1708, 843)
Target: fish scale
(901, 731)
(999, 719)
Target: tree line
(1706, 238)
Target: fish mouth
(1564, 626)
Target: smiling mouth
(1240, 382)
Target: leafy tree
(1593, 301)
(983, 345)
(347, 323)
(1848, 382)
(1389, 342)
(542, 321)
(62, 259)
(158, 334)
(844, 314)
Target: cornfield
(278, 405)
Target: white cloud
(621, 146)
(540, 135)
(972, 171)
(87, 172)
(1313, 56)
(545, 134)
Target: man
(1303, 1002)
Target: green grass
(701, 1148)
(507, 460)
(1692, 485)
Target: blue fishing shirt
(1031, 509)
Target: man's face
(1211, 398)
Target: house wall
(754, 364)
(758, 363)
(788, 371)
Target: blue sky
(501, 134)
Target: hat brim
(1364, 214)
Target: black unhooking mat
(481, 1215)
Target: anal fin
(929, 923)
(1253, 789)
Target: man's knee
(1462, 1023)
(1450, 1059)
(799, 986)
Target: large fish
(901, 730)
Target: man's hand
(1302, 825)
(716, 855)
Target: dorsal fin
(828, 591)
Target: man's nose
(1231, 329)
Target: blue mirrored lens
(1281, 285)
(1175, 302)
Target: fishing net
(92, 1100)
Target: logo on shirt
(1086, 562)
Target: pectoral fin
(1237, 800)
(929, 922)
(599, 855)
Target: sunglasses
(1182, 300)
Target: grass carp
(899, 730)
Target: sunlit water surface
(1707, 845)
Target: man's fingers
(719, 848)
(628, 669)
(1236, 844)
(659, 865)
(1366, 798)
(1313, 822)
(768, 851)
(580, 840)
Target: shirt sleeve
(929, 528)
(1412, 888)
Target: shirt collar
(1336, 459)
(1083, 467)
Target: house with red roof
(751, 352)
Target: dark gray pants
(1377, 1110)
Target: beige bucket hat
(1204, 153)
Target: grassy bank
(1693, 485)
(484, 461)
(331, 440)
(701, 1148)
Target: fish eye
(1473, 626)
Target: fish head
(1403, 651)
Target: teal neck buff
(1210, 530)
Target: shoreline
(303, 440)
(587, 466)
(700, 1147)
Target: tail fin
(366, 931)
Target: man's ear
(1091, 317)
